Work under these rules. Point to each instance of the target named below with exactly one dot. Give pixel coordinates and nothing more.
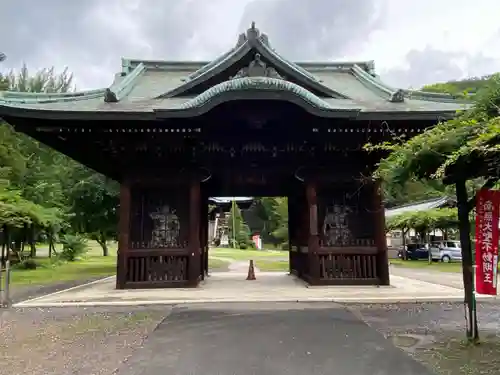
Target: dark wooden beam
(123, 235)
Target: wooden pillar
(194, 232)
(313, 240)
(123, 235)
(380, 238)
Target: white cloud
(412, 42)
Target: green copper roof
(256, 83)
(121, 89)
(251, 67)
(37, 97)
(253, 42)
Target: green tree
(94, 202)
(464, 152)
(280, 233)
(50, 179)
(269, 217)
(459, 88)
(239, 233)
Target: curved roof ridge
(211, 64)
(224, 63)
(286, 62)
(46, 97)
(368, 66)
(258, 83)
(300, 72)
(253, 39)
(391, 94)
(121, 89)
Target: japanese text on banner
(487, 215)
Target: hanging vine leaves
(470, 138)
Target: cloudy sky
(413, 42)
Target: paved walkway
(264, 339)
(450, 279)
(235, 265)
(233, 287)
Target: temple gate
(249, 123)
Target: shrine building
(249, 123)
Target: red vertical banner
(487, 216)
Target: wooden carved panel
(157, 268)
(358, 267)
(160, 218)
(346, 216)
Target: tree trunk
(102, 240)
(5, 246)
(403, 240)
(467, 262)
(32, 235)
(50, 236)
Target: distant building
(395, 237)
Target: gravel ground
(434, 334)
(73, 340)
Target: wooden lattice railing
(162, 268)
(343, 266)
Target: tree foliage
(268, 216)
(239, 232)
(459, 88)
(434, 153)
(17, 212)
(94, 202)
(43, 187)
(462, 149)
(45, 80)
(424, 221)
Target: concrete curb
(79, 286)
(343, 300)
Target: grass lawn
(238, 254)
(272, 265)
(217, 264)
(454, 356)
(51, 271)
(424, 265)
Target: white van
(446, 251)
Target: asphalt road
(268, 339)
(450, 279)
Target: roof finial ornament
(253, 32)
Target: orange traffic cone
(251, 271)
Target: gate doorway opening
(241, 229)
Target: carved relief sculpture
(166, 228)
(336, 226)
(257, 68)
